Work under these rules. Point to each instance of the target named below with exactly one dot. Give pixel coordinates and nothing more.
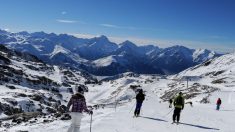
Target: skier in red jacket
(218, 103)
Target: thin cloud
(129, 27)
(63, 12)
(66, 21)
(121, 27)
(110, 26)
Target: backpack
(218, 101)
(140, 97)
(179, 100)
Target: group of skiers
(78, 103)
(178, 104)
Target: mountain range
(100, 56)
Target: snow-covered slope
(105, 61)
(220, 70)
(29, 85)
(202, 55)
(116, 101)
(59, 49)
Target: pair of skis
(177, 123)
(136, 116)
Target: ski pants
(137, 109)
(217, 107)
(76, 122)
(176, 114)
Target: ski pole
(168, 113)
(132, 108)
(91, 123)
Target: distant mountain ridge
(100, 56)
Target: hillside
(116, 100)
(29, 85)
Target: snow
(59, 49)
(106, 61)
(202, 55)
(119, 98)
(224, 63)
(56, 75)
(155, 114)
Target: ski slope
(155, 115)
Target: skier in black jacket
(139, 100)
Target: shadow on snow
(156, 119)
(199, 126)
(227, 110)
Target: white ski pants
(76, 122)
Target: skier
(139, 100)
(218, 103)
(179, 105)
(170, 103)
(78, 103)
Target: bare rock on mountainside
(30, 85)
(189, 93)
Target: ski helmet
(79, 89)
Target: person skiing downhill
(218, 103)
(179, 105)
(78, 103)
(140, 97)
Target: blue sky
(193, 23)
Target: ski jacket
(219, 102)
(78, 103)
(140, 97)
(179, 102)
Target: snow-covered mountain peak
(201, 55)
(59, 49)
(102, 38)
(215, 68)
(39, 34)
(24, 33)
(179, 48)
(128, 44)
(3, 31)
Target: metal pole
(132, 108)
(187, 82)
(115, 103)
(91, 123)
(168, 113)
